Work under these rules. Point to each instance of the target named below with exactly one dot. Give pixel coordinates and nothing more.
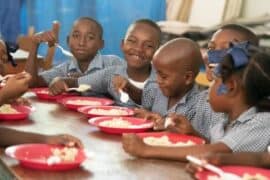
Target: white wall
(255, 8)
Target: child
(204, 114)
(241, 89)
(177, 64)
(139, 45)
(14, 88)
(85, 40)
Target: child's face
(170, 78)
(216, 101)
(221, 40)
(84, 40)
(139, 45)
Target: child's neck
(236, 110)
(139, 74)
(84, 63)
(174, 99)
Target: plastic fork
(82, 88)
(223, 175)
(124, 97)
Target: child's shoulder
(111, 60)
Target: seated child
(177, 64)
(14, 88)
(85, 40)
(205, 116)
(241, 90)
(141, 41)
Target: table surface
(109, 159)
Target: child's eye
(150, 46)
(130, 40)
(75, 36)
(90, 37)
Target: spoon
(65, 52)
(124, 97)
(82, 88)
(223, 175)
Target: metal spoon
(65, 52)
(223, 175)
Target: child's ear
(122, 44)
(67, 39)
(189, 76)
(233, 86)
(101, 44)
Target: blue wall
(114, 15)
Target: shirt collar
(96, 63)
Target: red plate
(35, 156)
(43, 93)
(138, 125)
(173, 137)
(78, 101)
(239, 170)
(105, 111)
(23, 112)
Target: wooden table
(109, 161)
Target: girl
(241, 89)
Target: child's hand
(64, 139)
(47, 36)
(180, 124)
(20, 101)
(120, 82)
(57, 86)
(141, 113)
(133, 145)
(212, 158)
(16, 85)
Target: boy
(141, 41)
(177, 64)
(85, 40)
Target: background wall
(114, 15)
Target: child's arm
(15, 87)
(134, 145)
(31, 65)
(11, 137)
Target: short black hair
(250, 35)
(150, 23)
(99, 26)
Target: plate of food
(79, 101)
(246, 172)
(15, 112)
(119, 125)
(96, 111)
(47, 157)
(43, 93)
(170, 139)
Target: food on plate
(116, 122)
(165, 141)
(246, 176)
(44, 91)
(66, 154)
(111, 112)
(8, 109)
(84, 102)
